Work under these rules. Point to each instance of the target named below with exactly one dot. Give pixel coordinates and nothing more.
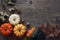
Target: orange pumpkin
(30, 31)
(19, 30)
(6, 29)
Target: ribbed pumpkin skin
(14, 19)
(19, 30)
(6, 29)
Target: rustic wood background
(39, 11)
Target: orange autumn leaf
(30, 32)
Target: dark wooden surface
(38, 11)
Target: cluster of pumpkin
(7, 28)
(19, 29)
(10, 23)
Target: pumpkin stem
(5, 29)
(19, 30)
(14, 19)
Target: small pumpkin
(11, 10)
(4, 16)
(14, 19)
(19, 30)
(6, 29)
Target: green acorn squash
(4, 16)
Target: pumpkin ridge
(21, 30)
(6, 29)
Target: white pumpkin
(14, 19)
